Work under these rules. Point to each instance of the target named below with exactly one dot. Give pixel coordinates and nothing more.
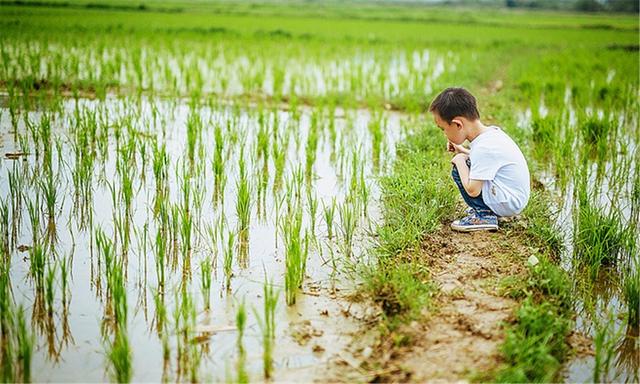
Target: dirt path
(463, 335)
(459, 335)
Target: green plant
(348, 223)
(205, 281)
(631, 293)
(268, 327)
(241, 320)
(600, 239)
(533, 349)
(329, 213)
(296, 252)
(243, 202)
(605, 341)
(119, 355)
(228, 259)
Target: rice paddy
(179, 192)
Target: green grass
(535, 348)
(631, 293)
(417, 194)
(600, 239)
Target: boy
(493, 177)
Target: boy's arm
(473, 187)
(457, 148)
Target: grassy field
(183, 182)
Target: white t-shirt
(496, 159)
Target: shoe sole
(486, 227)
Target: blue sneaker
(475, 222)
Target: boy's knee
(454, 172)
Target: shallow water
(72, 344)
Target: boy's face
(454, 131)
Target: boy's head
(452, 109)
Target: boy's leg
(476, 203)
(482, 218)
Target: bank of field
(194, 191)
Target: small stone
(533, 260)
(366, 353)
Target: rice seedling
(187, 352)
(605, 341)
(160, 258)
(120, 356)
(348, 223)
(279, 149)
(241, 320)
(312, 205)
(312, 145)
(194, 126)
(186, 230)
(228, 259)
(267, 325)
(243, 208)
(160, 172)
(375, 130)
(16, 187)
(6, 325)
(37, 266)
(4, 232)
(161, 319)
(64, 277)
(49, 288)
(364, 193)
(631, 292)
(117, 287)
(296, 248)
(33, 208)
(25, 342)
(329, 213)
(218, 164)
(49, 189)
(205, 281)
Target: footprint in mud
(303, 331)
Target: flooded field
(199, 208)
(596, 184)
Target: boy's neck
(475, 128)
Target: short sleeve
(484, 165)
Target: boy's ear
(457, 122)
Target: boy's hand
(460, 158)
(456, 148)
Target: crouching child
(492, 176)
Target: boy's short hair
(454, 102)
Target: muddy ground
(459, 334)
